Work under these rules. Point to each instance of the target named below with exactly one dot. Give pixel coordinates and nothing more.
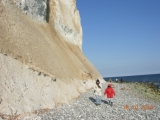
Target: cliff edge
(41, 61)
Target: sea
(154, 78)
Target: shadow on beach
(94, 100)
(105, 102)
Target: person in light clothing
(109, 93)
(98, 92)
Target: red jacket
(109, 92)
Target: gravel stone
(84, 107)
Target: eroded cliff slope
(41, 61)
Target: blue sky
(121, 37)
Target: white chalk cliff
(41, 61)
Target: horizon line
(133, 75)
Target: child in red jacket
(109, 93)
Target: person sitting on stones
(98, 92)
(109, 93)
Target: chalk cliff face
(41, 61)
(62, 16)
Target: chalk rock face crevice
(41, 61)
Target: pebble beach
(128, 104)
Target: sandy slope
(41, 46)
